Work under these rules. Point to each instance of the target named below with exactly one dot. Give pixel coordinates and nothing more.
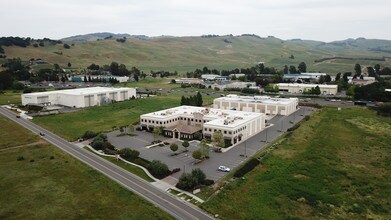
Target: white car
(224, 169)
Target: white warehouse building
(79, 98)
(262, 104)
(301, 87)
(184, 122)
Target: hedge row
(247, 167)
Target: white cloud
(308, 19)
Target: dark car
(18, 116)
(42, 134)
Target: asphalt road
(172, 205)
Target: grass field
(188, 53)
(49, 184)
(11, 135)
(10, 97)
(334, 166)
(103, 118)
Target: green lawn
(133, 169)
(335, 166)
(11, 135)
(50, 184)
(10, 97)
(103, 118)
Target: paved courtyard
(184, 160)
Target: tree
(129, 154)
(371, 71)
(327, 78)
(321, 79)
(316, 90)
(357, 69)
(66, 46)
(338, 76)
(204, 148)
(85, 78)
(186, 181)
(157, 131)
(292, 69)
(198, 99)
(302, 67)
(69, 64)
(6, 80)
(199, 175)
(377, 69)
(350, 91)
(174, 147)
(158, 169)
(292, 57)
(197, 154)
(185, 144)
(218, 139)
(386, 71)
(56, 67)
(286, 69)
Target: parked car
(217, 150)
(18, 116)
(224, 169)
(42, 134)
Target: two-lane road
(174, 206)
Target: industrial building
(184, 122)
(79, 98)
(261, 104)
(300, 88)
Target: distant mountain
(214, 51)
(101, 36)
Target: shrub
(175, 170)
(296, 126)
(199, 175)
(158, 169)
(66, 46)
(186, 182)
(129, 154)
(209, 182)
(189, 181)
(20, 158)
(51, 157)
(247, 167)
(197, 154)
(141, 162)
(174, 147)
(89, 134)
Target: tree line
(195, 100)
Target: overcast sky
(325, 20)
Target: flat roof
(82, 91)
(258, 99)
(307, 85)
(217, 117)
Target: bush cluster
(158, 169)
(196, 178)
(89, 135)
(247, 167)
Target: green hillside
(224, 52)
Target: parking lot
(184, 160)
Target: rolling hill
(220, 52)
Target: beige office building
(300, 88)
(184, 121)
(261, 104)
